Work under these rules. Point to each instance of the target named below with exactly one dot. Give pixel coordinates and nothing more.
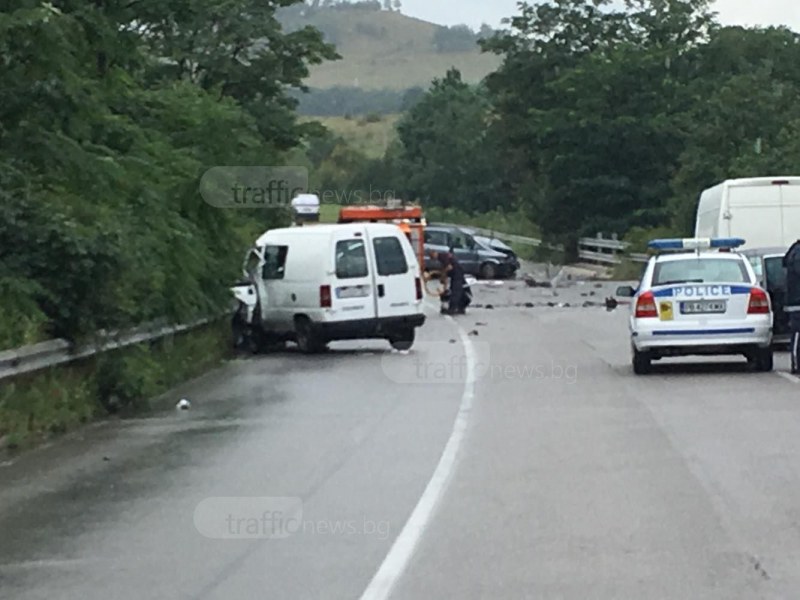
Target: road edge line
(404, 547)
(788, 377)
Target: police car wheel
(642, 362)
(762, 360)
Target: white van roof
(322, 230)
(757, 181)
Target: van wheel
(240, 331)
(642, 362)
(762, 360)
(307, 340)
(488, 271)
(402, 340)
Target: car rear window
(390, 256)
(436, 238)
(700, 270)
(351, 259)
(776, 274)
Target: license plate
(359, 291)
(704, 307)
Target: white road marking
(404, 547)
(788, 376)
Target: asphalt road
(512, 454)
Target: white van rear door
(352, 291)
(790, 197)
(396, 272)
(753, 214)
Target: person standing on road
(791, 263)
(452, 270)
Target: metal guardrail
(53, 353)
(602, 250)
(607, 251)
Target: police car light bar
(697, 244)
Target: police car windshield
(700, 270)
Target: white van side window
(351, 259)
(390, 256)
(274, 262)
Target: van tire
(488, 271)
(307, 340)
(403, 341)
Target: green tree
(447, 157)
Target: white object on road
(183, 405)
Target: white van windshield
(351, 259)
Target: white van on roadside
(763, 211)
(315, 285)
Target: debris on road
(611, 303)
(473, 333)
(183, 405)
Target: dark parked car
(475, 258)
(768, 265)
(499, 246)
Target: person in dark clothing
(791, 263)
(452, 270)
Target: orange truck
(410, 219)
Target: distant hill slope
(385, 50)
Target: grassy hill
(385, 50)
(371, 137)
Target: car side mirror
(626, 291)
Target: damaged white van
(318, 284)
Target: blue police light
(697, 244)
(727, 243)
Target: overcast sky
(475, 12)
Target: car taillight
(759, 303)
(418, 284)
(646, 306)
(325, 296)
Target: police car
(699, 298)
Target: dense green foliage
(606, 119)
(109, 114)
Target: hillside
(385, 50)
(370, 137)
